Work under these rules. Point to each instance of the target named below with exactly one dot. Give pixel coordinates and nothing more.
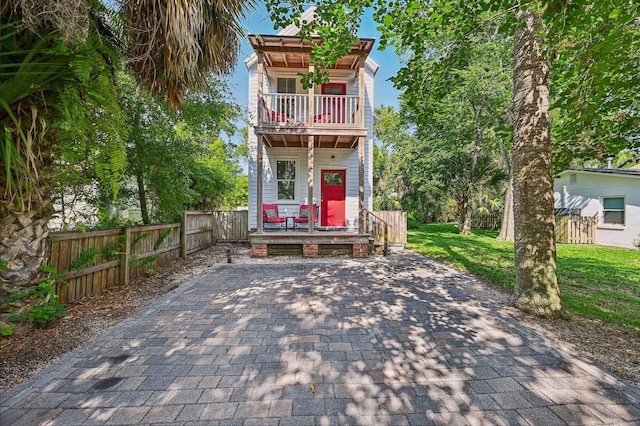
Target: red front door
(332, 206)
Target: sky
(258, 22)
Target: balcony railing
(293, 110)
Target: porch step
(375, 246)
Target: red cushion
(279, 117)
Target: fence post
(183, 236)
(125, 257)
(214, 226)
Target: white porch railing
(293, 109)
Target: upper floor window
(286, 177)
(286, 85)
(613, 210)
(573, 178)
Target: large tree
(169, 46)
(441, 28)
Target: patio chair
(303, 215)
(270, 214)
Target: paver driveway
(377, 341)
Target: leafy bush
(47, 306)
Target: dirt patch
(613, 349)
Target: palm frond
(173, 44)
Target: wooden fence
(576, 229)
(92, 262)
(491, 222)
(232, 226)
(397, 221)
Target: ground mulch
(612, 348)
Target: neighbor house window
(573, 178)
(286, 177)
(613, 211)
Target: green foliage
(162, 238)
(85, 258)
(178, 162)
(46, 307)
(139, 238)
(596, 282)
(6, 331)
(135, 262)
(113, 248)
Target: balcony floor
(300, 140)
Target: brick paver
(392, 340)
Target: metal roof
(620, 172)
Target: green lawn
(597, 282)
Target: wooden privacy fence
(576, 229)
(94, 261)
(231, 226)
(397, 221)
(486, 221)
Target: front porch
(309, 244)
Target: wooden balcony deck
(285, 120)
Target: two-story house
(309, 145)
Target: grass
(596, 282)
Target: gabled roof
(287, 47)
(617, 172)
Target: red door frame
(333, 200)
(336, 106)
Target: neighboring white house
(310, 145)
(611, 195)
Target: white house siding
(586, 194)
(344, 158)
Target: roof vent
(609, 159)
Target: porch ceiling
(299, 141)
(294, 52)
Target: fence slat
(397, 221)
(575, 229)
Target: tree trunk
(463, 214)
(535, 250)
(467, 216)
(142, 195)
(506, 229)
(23, 245)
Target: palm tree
(537, 289)
(169, 45)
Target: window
(286, 104)
(286, 85)
(613, 211)
(573, 178)
(286, 177)
(333, 178)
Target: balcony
(285, 120)
(288, 110)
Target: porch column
(260, 145)
(361, 90)
(310, 159)
(259, 184)
(361, 141)
(361, 185)
(311, 103)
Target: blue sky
(258, 22)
